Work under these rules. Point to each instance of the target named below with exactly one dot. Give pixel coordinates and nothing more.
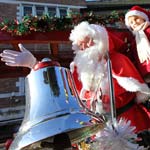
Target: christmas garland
(46, 24)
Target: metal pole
(111, 88)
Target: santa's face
(135, 22)
(90, 66)
(86, 42)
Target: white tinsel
(119, 136)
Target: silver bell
(53, 108)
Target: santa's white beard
(91, 68)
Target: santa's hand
(24, 58)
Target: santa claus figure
(91, 44)
(137, 20)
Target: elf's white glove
(24, 58)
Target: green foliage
(46, 24)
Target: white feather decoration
(119, 136)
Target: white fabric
(141, 89)
(142, 42)
(24, 58)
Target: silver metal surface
(52, 107)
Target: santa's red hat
(104, 36)
(136, 11)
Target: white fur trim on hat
(135, 13)
(96, 32)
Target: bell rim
(80, 125)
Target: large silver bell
(52, 108)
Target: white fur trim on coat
(133, 85)
(72, 65)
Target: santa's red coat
(144, 68)
(127, 83)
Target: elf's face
(135, 22)
(85, 43)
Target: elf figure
(137, 21)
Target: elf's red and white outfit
(142, 38)
(89, 69)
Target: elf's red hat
(136, 11)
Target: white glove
(24, 58)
